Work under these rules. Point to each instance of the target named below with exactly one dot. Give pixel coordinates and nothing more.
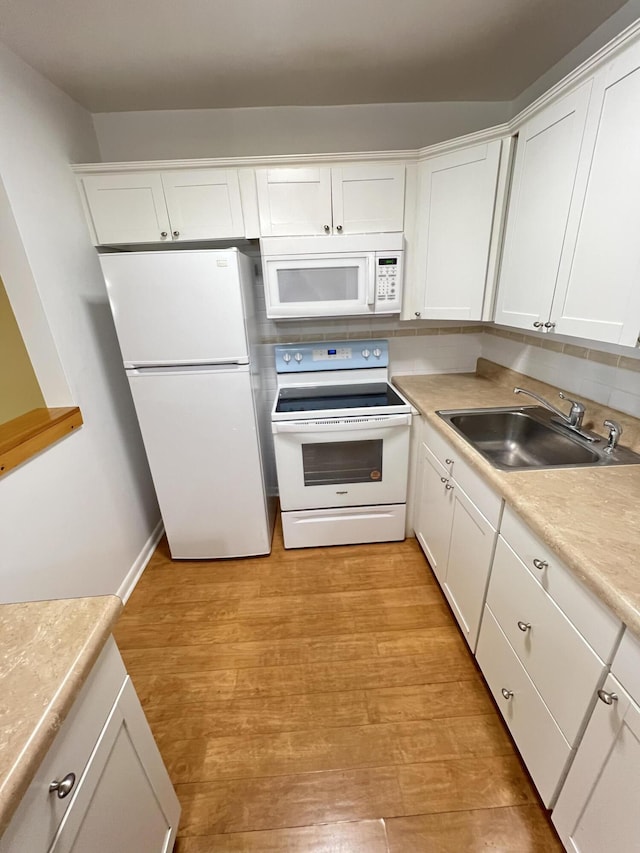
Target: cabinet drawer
(564, 668)
(541, 743)
(591, 617)
(486, 500)
(36, 819)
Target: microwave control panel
(388, 281)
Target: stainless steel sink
(525, 438)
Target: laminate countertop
(590, 517)
(47, 650)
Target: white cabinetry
(120, 797)
(598, 805)
(456, 521)
(544, 175)
(354, 199)
(541, 668)
(149, 207)
(571, 259)
(458, 223)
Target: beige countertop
(590, 517)
(47, 649)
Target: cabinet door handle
(419, 314)
(449, 461)
(64, 786)
(444, 480)
(607, 698)
(176, 233)
(164, 234)
(448, 487)
(506, 693)
(549, 325)
(538, 324)
(524, 626)
(327, 228)
(540, 564)
(338, 227)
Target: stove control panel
(331, 355)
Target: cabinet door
(456, 203)
(367, 199)
(127, 208)
(598, 295)
(203, 204)
(125, 803)
(471, 549)
(598, 805)
(545, 169)
(434, 513)
(294, 201)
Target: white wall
(614, 25)
(244, 132)
(73, 519)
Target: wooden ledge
(24, 437)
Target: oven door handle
(354, 425)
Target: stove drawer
(344, 526)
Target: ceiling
(185, 54)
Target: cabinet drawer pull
(506, 693)
(64, 786)
(444, 480)
(448, 487)
(524, 626)
(607, 698)
(540, 564)
(449, 461)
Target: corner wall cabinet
(120, 797)
(350, 199)
(460, 207)
(164, 207)
(598, 806)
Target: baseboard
(133, 575)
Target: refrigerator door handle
(177, 369)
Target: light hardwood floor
(323, 701)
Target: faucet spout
(576, 414)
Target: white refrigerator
(185, 324)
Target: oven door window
(339, 462)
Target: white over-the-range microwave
(333, 276)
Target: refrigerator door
(177, 307)
(199, 431)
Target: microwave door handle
(371, 278)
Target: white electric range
(341, 436)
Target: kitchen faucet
(572, 421)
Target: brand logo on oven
(345, 492)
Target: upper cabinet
(148, 207)
(544, 175)
(571, 259)
(356, 199)
(459, 217)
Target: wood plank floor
(324, 701)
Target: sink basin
(525, 438)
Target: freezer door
(177, 307)
(199, 431)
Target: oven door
(337, 462)
(320, 285)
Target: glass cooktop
(373, 395)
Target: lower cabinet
(116, 794)
(597, 808)
(456, 536)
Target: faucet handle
(615, 431)
(574, 403)
(577, 411)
